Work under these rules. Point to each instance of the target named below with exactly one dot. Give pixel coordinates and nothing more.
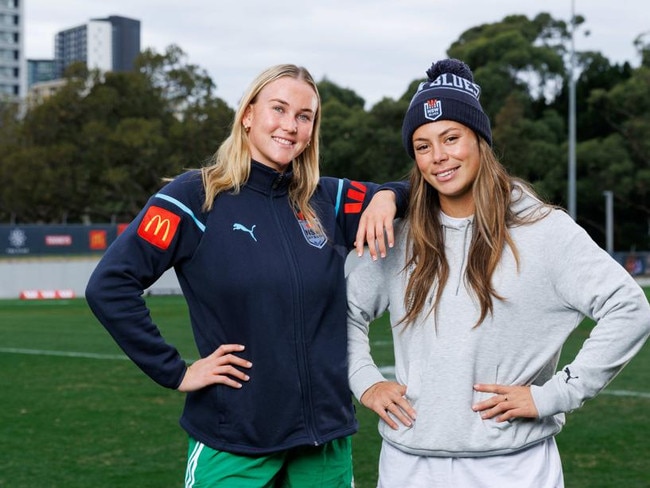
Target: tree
(626, 108)
(383, 157)
(180, 83)
(531, 148)
(642, 45)
(100, 146)
(331, 91)
(516, 54)
(605, 165)
(342, 127)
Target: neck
(457, 208)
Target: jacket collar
(267, 180)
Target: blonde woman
(484, 285)
(258, 241)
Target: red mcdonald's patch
(158, 226)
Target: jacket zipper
(298, 325)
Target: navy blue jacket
(252, 273)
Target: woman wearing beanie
(485, 284)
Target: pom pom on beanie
(449, 94)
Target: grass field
(75, 413)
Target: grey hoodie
(563, 277)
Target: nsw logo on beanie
(432, 109)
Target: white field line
(67, 354)
(387, 371)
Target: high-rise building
(126, 42)
(109, 44)
(13, 79)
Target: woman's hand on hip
(220, 367)
(508, 402)
(388, 400)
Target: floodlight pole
(572, 122)
(609, 221)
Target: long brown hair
(229, 168)
(492, 192)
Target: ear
(247, 120)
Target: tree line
(99, 147)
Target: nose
(290, 125)
(438, 154)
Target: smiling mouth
(447, 173)
(284, 142)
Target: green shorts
(326, 466)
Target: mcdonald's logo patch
(97, 240)
(158, 226)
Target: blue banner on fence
(43, 240)
(636, 263)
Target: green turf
(97, 421)
(81, 422)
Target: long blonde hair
(493, 215)
(229, 168)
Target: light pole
(609, 221)
(572, 122)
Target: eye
(304, 117)
(451, 138)
(278, 108)
(421, 147)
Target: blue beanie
(449, 94)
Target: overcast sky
(374, 47)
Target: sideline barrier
(46, 294)
(61, 278)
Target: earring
(246, 129)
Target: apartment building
(13, 77)
(107, 44)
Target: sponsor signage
(636, 263)
(42, 240)
(63, 240)
(98, 240)
(158, 226)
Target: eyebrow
(451, 129)
(284, 102)
(443, 133)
